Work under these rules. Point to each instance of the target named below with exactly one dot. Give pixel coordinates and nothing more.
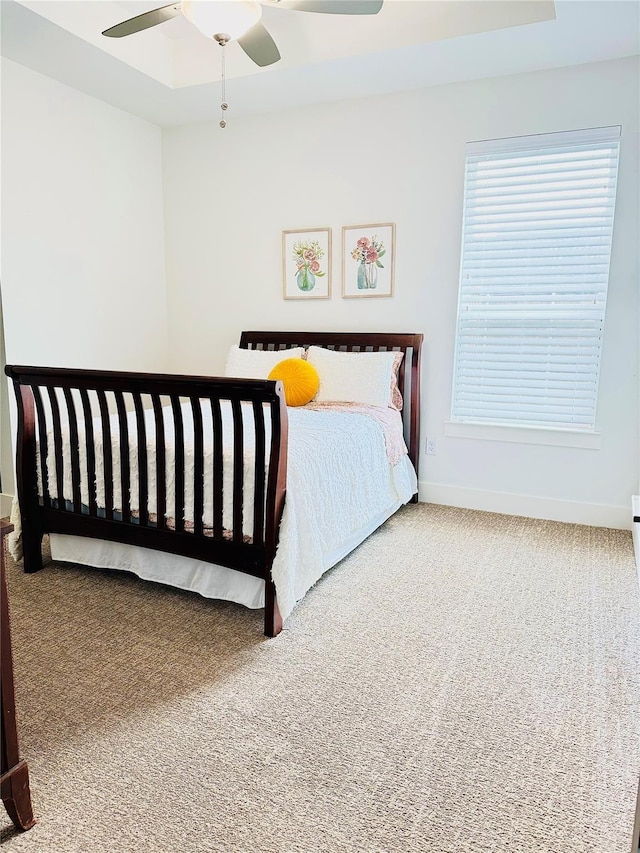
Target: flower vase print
(367, 253)
(306, 261)
(368, 260)
(307, 255)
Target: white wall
(6, 455)
(229, 194)
(83, 281)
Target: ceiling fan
(229, 20)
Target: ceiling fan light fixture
(231, 17)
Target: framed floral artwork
(368, 258)
(306, 263)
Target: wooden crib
(54, 405)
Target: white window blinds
(536, 242)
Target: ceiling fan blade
(259, 46)
(334, 7)
(144, 21)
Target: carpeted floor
(462, 682)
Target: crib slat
(43, 445)
(75, 450)
(91, 452)
(258, 486)
(143, 486)
(238, 470)
(217, 468)
(178, 511)
(107, 460)
(198, 467)
(161, 471)
(57, 444)
(125, 473)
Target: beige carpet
(462, 682)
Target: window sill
(525, 434)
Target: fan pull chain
(223, 106)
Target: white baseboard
(5, 505)
(573, 512)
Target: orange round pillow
(299, 378)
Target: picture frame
(368, 260)
(306, 263)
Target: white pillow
(254, 363)
(353, 377)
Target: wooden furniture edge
(14, 781)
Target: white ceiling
(170, 74)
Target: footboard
(190, 465)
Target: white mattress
(340, 487)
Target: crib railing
(91, 442)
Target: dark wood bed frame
(47, 513)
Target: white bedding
(340, 487)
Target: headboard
(408, 376)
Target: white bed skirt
(207, 579)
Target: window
(536, 244)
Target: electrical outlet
(431, 447)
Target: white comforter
(339, 480)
